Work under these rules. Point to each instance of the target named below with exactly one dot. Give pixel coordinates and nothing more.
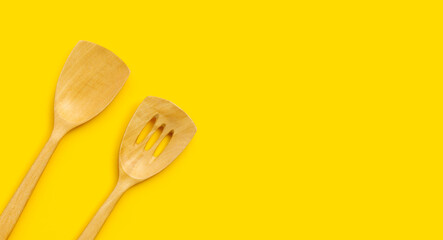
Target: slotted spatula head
(140, 163)
(91, 78)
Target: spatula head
(141, 163)
(91, 78)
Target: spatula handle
(12, 212)
(103, 213)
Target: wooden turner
(91, 78)
(136, 163)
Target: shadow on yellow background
(316, 120)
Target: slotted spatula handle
(13, 210)
(103, 213)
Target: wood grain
(91, 78)
(136, 164)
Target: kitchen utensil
(137, 162)
(91, 78)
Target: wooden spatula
(138, 160)
(91, 78)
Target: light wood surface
(136, 163)
(91, 78)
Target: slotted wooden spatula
(138, 161)
(91, 78)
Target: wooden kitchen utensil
(138, 160)
(91, 78)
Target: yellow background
(316, 119)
